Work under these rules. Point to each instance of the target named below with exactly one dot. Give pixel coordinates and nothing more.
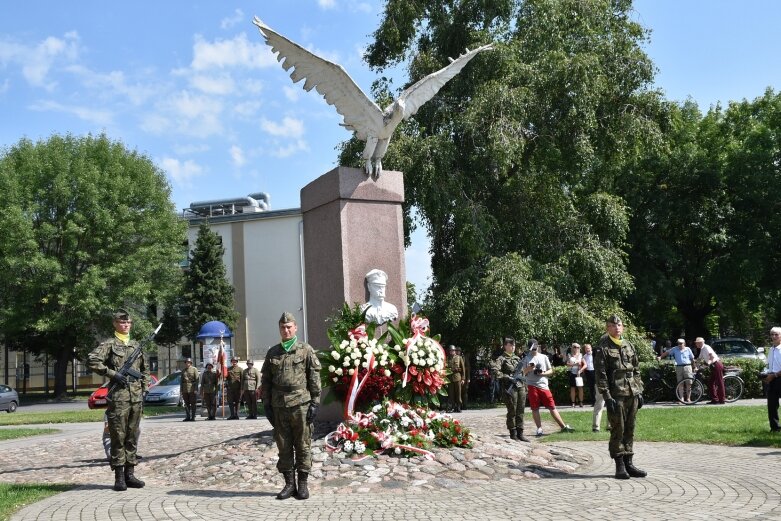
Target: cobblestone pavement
(696, 482)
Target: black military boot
(130, 480)
(303, 489)
(290, 485)
(520, 435)
(620, 469)
(119, 479)
(631, 469)
(233, 411)
(513, 434)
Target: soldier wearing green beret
(209, 391)
(617, 372)
(233, 384)
(188, 389)
(125, 401)
(291, 397)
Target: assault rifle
(126, 371)
(518, 378)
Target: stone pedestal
(352, 225)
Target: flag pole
(222, 372)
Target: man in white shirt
(537, 369)
(773, 379)
(716, 383)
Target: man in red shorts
(537, 369)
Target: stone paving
(685, 481)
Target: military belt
(289, 388)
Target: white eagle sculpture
(361, 115)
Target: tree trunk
(61, 372)
(694, 320)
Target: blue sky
(193, 86)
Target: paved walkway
(685, 481)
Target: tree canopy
(88, 225)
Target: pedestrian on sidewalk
(618, 381)
(716, 383)
(773, 379)
(537, 368)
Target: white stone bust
(377, 310)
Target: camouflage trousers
(454, 390)
(622, 426)
(123, 423)
(294, 438)
(515, 403)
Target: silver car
(166, 391)
(737, 348)
(9, 399)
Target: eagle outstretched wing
(425, 89)
(360, 113)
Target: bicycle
(660, 385)
(733, 386)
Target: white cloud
(227, 23)
(5, 86)
(155, 124)
(237, 155)
(182, 173)
(289, 127)
(222, 85)
(114, 82)
(191, 148)
(246, 109)
(326, 4)
(299, 145)
(37, 60)
(291, 93)
(236, 52)
(98, 117)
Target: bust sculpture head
(377, 310)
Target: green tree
(519, 153)
(88, 225)
(207, 293)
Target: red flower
(454, 440)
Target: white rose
(335, 355)
(344, 344)
(365, 365)
(331, 369)
(351, 372)
(335, 379)
(346, 362)
(387, 372)
(357, 362)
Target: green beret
(287, 317)
(121, 314)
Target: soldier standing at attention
(234, 388)
(467, 377)
(457, 371)
(618, 381)
(125, 402)
(209, 391)
(250, 384)
(513, 393)
(291, 394)
(188, 389)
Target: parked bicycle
(661, 385)
(733, 386)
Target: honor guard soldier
(209, 391)
(455, 363)
(234, 388)
(188, 389)
(291, 397)
(125, 401)
(618, 380)
(513, 388)
(250, 384)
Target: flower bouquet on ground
(420, 369)
(358, 366)
(395, 428)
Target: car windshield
(171, 379)
(734, 347)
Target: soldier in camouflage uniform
(618, 381)
(233, 385)
(125, 401)
(209, 391)
(513, 388)
(291, 397)
(455, 363)
(250, 385)
(188, 390)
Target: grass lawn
(10, 434)
(87, 415)
(15, 496)
(733, 425)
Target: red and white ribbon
(356, 384)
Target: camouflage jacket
(189, 383)
(503, 368)
(457, 368)
(234, 376)
(250, 379)
(617, 368)
(291, 378)
(108, 358)
(209, 382)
